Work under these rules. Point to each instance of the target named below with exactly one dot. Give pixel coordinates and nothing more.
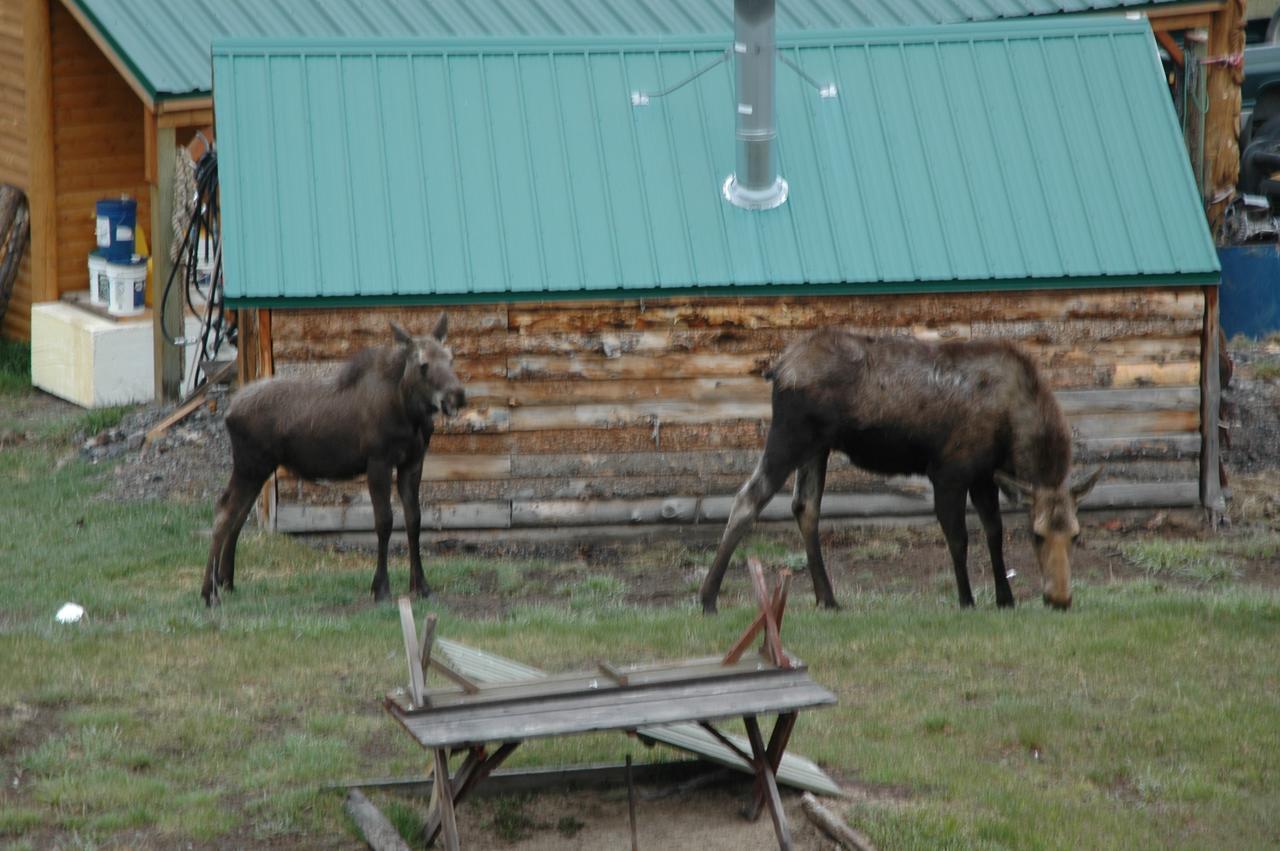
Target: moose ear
(1013, 488)
(1078, 491)
(401, 335)
(442, 327)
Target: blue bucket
(116, 219)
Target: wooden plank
(1152, 374)
(794, 770)
(417, 685)
(770, 691)
(539, 686)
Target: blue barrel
(116, 219)
(1250, 299)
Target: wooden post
(765, 775)
(1222, 123)
(444, 802)
(168, 357)
(1210, 399)
(42, 185)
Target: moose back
(969, 415)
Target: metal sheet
(166, 42)
(982, 156)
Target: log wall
(14, 164)
(617, 413)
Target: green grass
(1266, 370)
(1146, 717)
(1195, 561)
(15, 367)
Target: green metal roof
(971, 156)
(165, 43)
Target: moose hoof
(830, 605)
(1006, 603)
(709, 607)
(422, 593)
(211, 599)
(381, 595)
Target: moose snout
(453, 400)
(1060, 604)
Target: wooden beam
(444, 801)
(117, 61)
(1167, 42)
(168, 357)
(416, 684)
(186, 118)
(1210, 399)
(42, 184)
(765, 773)
(185, 104)
(1174, 10)
(1176, 23)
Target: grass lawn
(1146, 717)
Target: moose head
(428, 383)
(1054, 528)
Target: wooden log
(378, 832)
(596, 367)
(833, 827)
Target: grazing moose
(373, 417)
(968, 415)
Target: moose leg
(771, 473)
(948, 505)
(379, 474)
(233, 510)
(408, 480)
(987, 500)
(806, 505)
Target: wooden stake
(631, 805)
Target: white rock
(69, 613)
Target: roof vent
(756, 184)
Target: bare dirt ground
(191, 462)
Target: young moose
(373, 417)
(965, 414)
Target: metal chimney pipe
(756, 184)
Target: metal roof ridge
(998, 30)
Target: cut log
(378, 833)
(827, 822)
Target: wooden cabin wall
(99, 144)
(14, 164)
(616, 413)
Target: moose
(970, 415)
(374, 416)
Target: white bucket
(127, 287)
(99, 283)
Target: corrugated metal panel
(167, 41)
(1009, 155)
